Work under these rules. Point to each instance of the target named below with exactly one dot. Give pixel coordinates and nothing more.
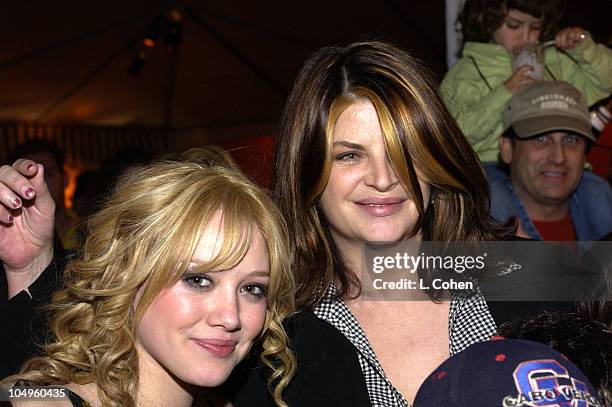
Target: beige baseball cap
(548, 106)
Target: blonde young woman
(184, 268)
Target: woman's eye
(256, 290)
(198, 281)
(348, 157)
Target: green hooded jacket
(477, 101)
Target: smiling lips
(217, 347)
(553, 174)
(380, 206)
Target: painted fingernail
(29, 192)
(16, 203)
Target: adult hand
(519, 79)
(570, 37)
(27, 215)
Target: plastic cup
(529, 54)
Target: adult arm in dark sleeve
(23, 318)
(29, 275)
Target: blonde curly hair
(145, 236)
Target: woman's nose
(381, 175)
(224, 310)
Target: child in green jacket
(477, 88)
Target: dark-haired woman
(368, 152)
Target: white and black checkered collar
(469, 321)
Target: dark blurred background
(98, 77)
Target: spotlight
(153, 32)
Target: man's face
(545, 170)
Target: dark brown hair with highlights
(420, 134)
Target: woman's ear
(136, 300)
(505, 149)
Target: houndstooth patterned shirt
(469, 321)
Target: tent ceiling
(234, 67)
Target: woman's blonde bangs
(240, 209)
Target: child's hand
(570, 37)
(519, 79)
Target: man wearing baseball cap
(547, 132)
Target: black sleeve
(23, 320)
(247, 385)
(328, 371)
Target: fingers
(524, 75)
(520, 78)
(25, 167)
(570, 37)
(44, 201)
(523, 71)
(21, 182)
(527, 80)
(11, 178)
(10, 202)
(6, 215)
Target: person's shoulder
(593, 190)
(594, 181)
(312, 338)
(501, 196)
(458, 71)
(305, 322)
(500, 183)
(484, 52)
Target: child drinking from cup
(477, 88)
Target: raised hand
(519, 79)
(570, 37)
(27, 214)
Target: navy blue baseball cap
(507, 373)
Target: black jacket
(328, 371)
(24, 320)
